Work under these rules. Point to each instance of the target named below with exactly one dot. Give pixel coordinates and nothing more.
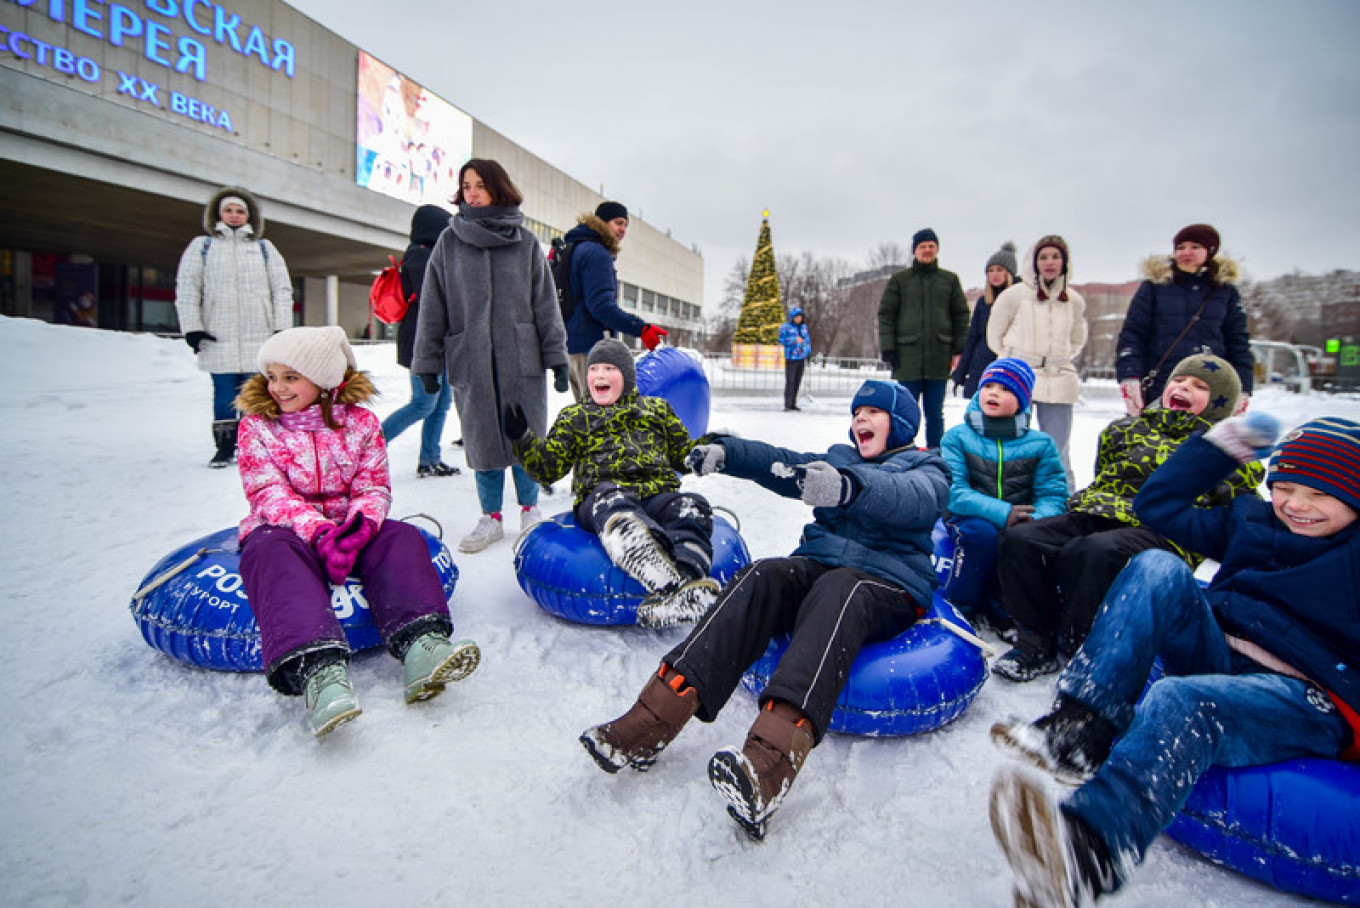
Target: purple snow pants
(286, 582)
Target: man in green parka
(922, 324)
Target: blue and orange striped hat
(1323, 454)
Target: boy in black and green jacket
(625, 453)
(1054, 573)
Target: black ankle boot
(1078, 739)
(224, 433)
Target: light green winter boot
(432, 661)
(330, 697)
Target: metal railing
(824, 376)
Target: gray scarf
(489, 226)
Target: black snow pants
(1054, 574)
(831, 612)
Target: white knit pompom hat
(319, 355)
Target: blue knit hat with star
(897, 401)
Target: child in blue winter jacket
(860, 573)
(1003, 473)
(1262, 666)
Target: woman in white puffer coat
(232, 294)
(1042, 320)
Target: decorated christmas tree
(761, 310)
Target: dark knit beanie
(615, 352)
(1224, 386)
(1323, 454)
(1005, 257)
(926, 235)
(897, 402)
(607, 211)
(1202, 234)
(1014, 375)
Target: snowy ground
(129, 778)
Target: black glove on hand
(195, 338)
(515, 423)
(823, 485)
(561, 381)
(705, 459)
(429, 382)
(890, 357)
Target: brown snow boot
(635, 738)
(755, 780)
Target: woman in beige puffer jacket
(1042, 320)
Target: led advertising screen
(410, 142)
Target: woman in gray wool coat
(489, 320)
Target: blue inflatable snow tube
(192, 605)
(566, 571)
(942, 552)
(679, 378)
(919, 680)
(1293, 825)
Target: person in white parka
(1042, 321)
(232, 293)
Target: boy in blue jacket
(1262, 666)
(1003, 473)
(861, 573)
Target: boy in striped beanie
(1262, 666)
(1003, 473)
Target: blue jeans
(226, 385)
(929, 394)
(432, 408)
(491, 489)
(972, 581)
(1215, 707)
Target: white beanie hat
(319, 355)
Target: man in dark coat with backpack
(592, 296)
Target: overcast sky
(857, 123)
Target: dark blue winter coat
(991, 474)
(976, 356)
(595, 287)
(884, 530)
(426, 224)
(1296, 597)
(1162, 307)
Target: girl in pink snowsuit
(314, 467)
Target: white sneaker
(630, 545)
(487, 531)
(529, 516)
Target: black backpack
(559, 260)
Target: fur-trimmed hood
(254, 399)
(1161, 268)
(210, 217)
(607, 238)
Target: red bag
(385, 298)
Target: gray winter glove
(705, 459)
(1245, 438)
(823, 485)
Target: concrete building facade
(119, 120)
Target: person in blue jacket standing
(595, 286)
(793, 334)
